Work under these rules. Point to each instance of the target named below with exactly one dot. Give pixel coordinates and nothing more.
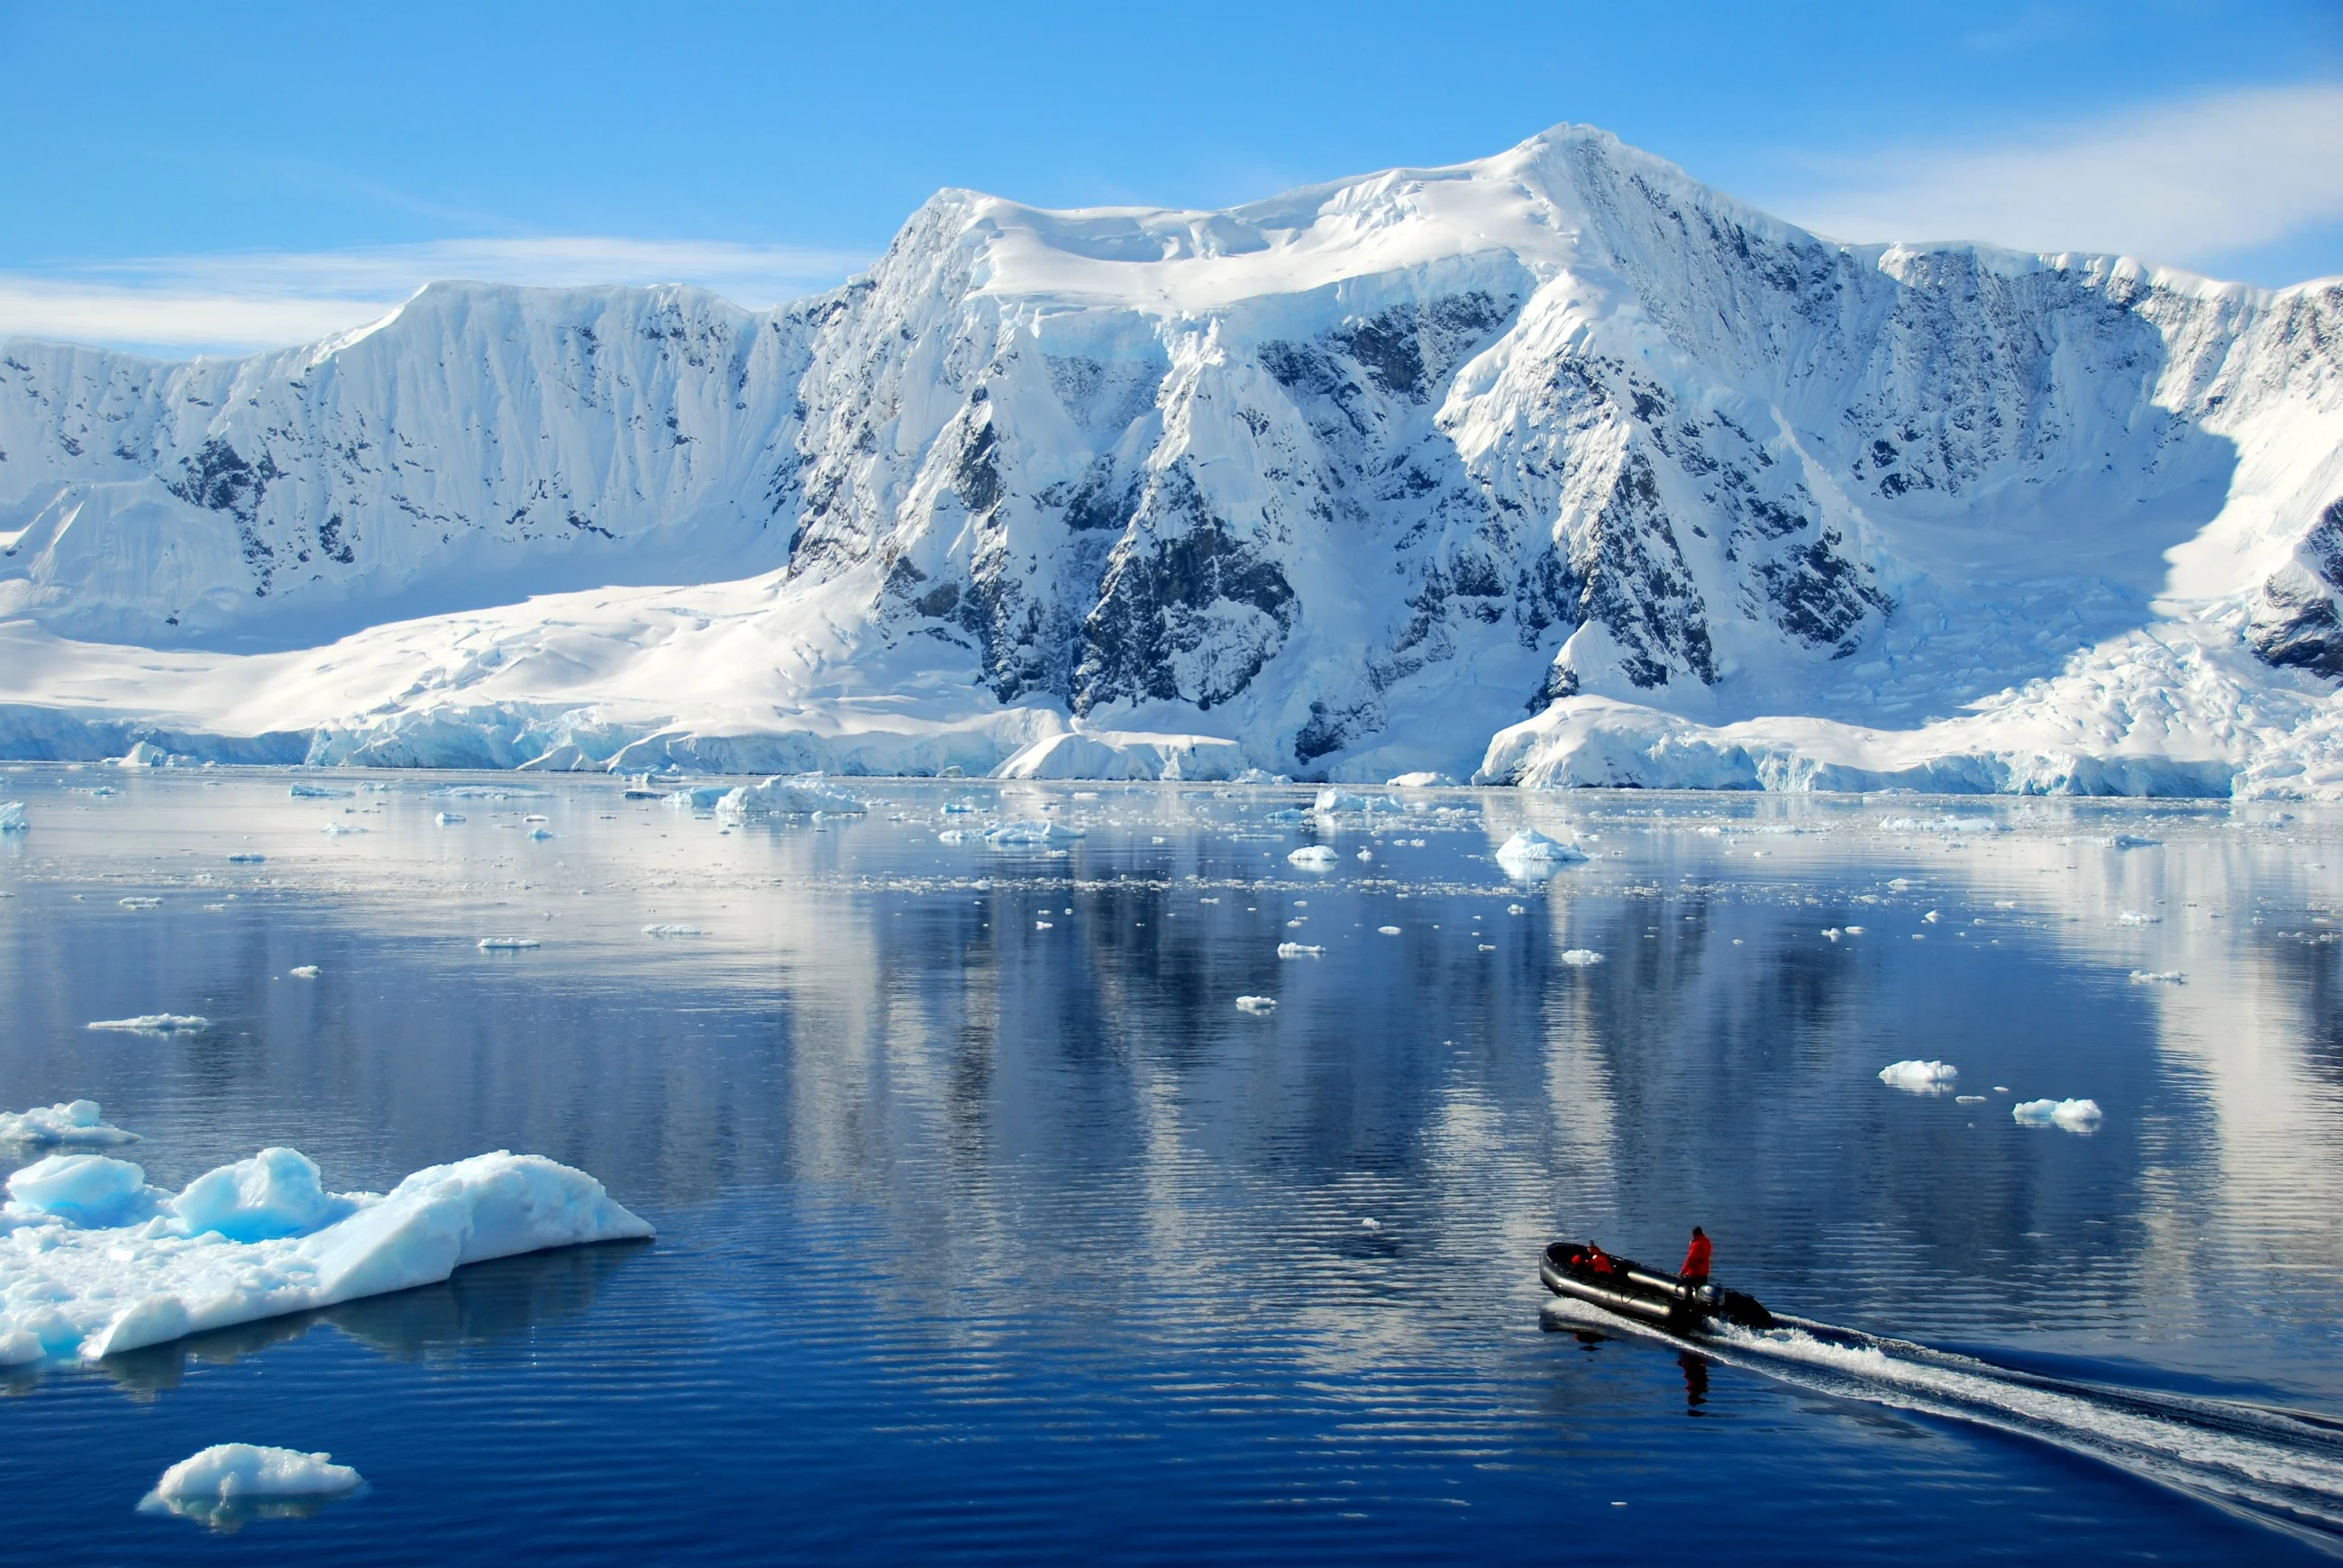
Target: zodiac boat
(1632, 1291)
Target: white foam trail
(2278, 1467)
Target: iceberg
(1014, 834)
(2074, 1115)
(315, 793)
(698, 797)
(94, 1261)
(1342, 802)
(210, 1485)
(1920, 1077)
(1581, 958)
(1257, 1004)
(781, 796)
(12, 817)
(1313, 858)
(1533, 849)
(303, 971)
(156, 1023)
(449, 819)
(72, 1121)
(1296, 951)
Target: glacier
(1554, 469)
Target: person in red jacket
(1694, 1272)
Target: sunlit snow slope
(1558, 465)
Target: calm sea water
(990, 1228)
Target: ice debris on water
(12, 817)
(1296, 951)
(2158, 976)
(303, 971)
(954, 836)
(210, 1485)
(98, 1262)
(156, 1023)
(2074, 1115)
(71, 1121)
(1517, 908)
(1257, 1004)
(246, 860)
(2134, 842)
(449, 819)
(139, 902)
(507, 944)
(672, 931)
(1313, 858)
(698, 797)
(1581, 958)
(1920, 1077)
(1342, 802)
(540, 833)
(338, 830)
(2138, 918)
(315, 793)
(1387, 930)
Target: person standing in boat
(1694, 1272)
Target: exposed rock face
(1354, 476)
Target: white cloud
(2187, 183)
(271, 299)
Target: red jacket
(1696, 1263)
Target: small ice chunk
(2158, 976)
(245, 859)
(1334, 802)
(1366, 854)
(72, 1121)
(1420, 781)
(1853, 931)
(12, 817)
(156, 1023)
(1831, 933)
(538, 833)
(1968, 1100)
(954, 836)
(1920, 1077)
(2138, 918)
(507, 944)
(672, 931)
(1043, 926)
(141, 903)
(2135, 841)
(340, 829)
(303, 971)
(211, 1483)
(1313, 858)
(1387, 930)
(315, 793)
(449, 819)
(1257, 1004)
(1296, 951)
(1370, 1225)
(698, 797)
(1517, 908)
(1929, 919)
(2074, 1115)
(1582, 957)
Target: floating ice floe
(140, 902)
(1387, 930)
(338, 830)
(315, 793)
(1517, 908)
(2138, 918)
(449, 819)
(97, 1262)
(12, 817)
(1366, 854)
(1530, 851)
(1313, 858)
(1256, 1004)
(1286, 815)
(2074, 1115)
(1342, 802)
(540, 833)
(303, 971)
(1019, 834)
(1420, 781)
(698, 797)
(781, 796)
(156, 1023)
(73, 1121)
(2158, 976)
(1920, 1077)
(669, 930)
(1582, 957)
(214, 1485)
(954, 836)
(2135, 841)
(507, 944)
(1296, 951)
(246, 860)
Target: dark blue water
(983, 1241)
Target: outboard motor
(1744, 1311)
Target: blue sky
(220, 175)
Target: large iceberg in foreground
(93, 1261)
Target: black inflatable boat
(1632, 1291)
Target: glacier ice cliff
(1554, 468)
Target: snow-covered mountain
(1558, 465)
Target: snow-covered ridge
(1557, 466)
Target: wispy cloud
(2190, 184)
(268, 300)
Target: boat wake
(2278, 1467)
